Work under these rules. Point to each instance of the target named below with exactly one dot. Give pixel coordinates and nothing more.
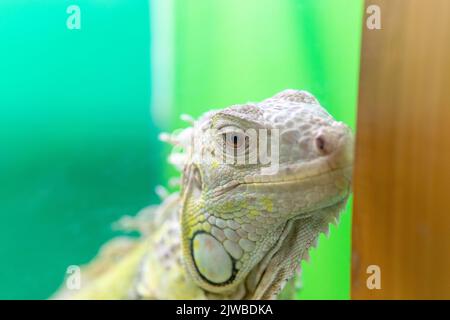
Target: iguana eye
(234, 139)
(233, 143)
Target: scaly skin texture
(234, 231)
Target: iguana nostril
(327, 142)
(321, 144)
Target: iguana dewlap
(244, 218)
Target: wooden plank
(401, 220)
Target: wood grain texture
(401, 219)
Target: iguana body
(236, 230)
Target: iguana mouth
(295, 178)
(275, 181)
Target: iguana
(233, 231)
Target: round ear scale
(212, 262)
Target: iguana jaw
(333, 196)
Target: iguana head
(260, 182)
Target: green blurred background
(80, 111)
